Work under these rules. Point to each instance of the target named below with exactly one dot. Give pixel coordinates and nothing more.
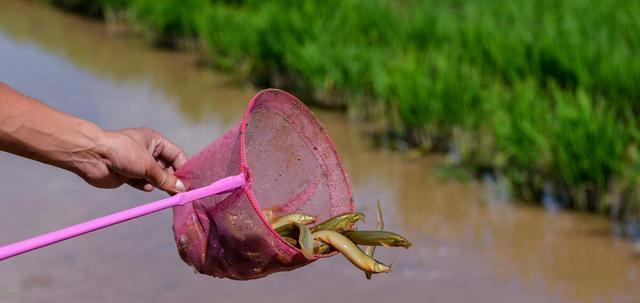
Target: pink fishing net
(291, 166)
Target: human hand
(139, 157)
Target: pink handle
(218, 187)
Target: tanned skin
(139, 157)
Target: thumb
(163, 180)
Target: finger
(172, 154)
(162, 179)
(163, 164)
(141, 184)
(147, 187)
(170, 170)
(166, 167)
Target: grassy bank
(540, 92)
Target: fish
(288, 230)
(292, 218)
(377, 238)
(305, 240)
(291, 241)
(340, 222)
(370, 250)
(351, 251)
(321, 248)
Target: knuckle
(151, 132)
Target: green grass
(539, 91)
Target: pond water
(470, 243)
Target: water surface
(470, 245)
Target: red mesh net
(291, 166)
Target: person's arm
(138, 156)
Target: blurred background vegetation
(544, 94)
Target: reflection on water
(92, 50)
(470, 245)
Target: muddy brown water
(470, 245)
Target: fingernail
(180, 186)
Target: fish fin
(370, 250)
(380, 225)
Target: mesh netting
(291, 166)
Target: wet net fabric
(291, 166)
